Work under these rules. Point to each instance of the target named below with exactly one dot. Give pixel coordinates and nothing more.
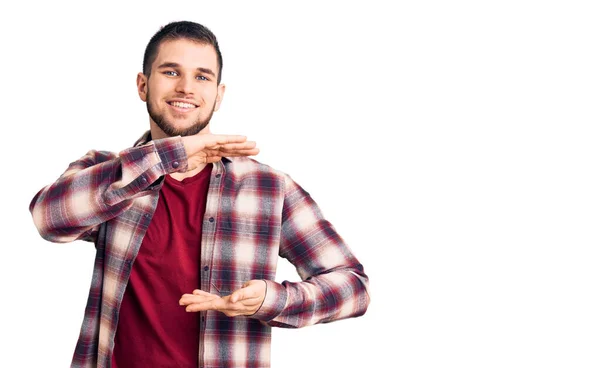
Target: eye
(170, 73)
(201, 77)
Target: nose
(185, 85)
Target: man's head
(181, 78)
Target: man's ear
(220, 93)
(142, 86)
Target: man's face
(181, 92)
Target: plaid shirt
(254, 214)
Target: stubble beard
(169, 128)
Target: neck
(188, 174)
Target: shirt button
(205, 268)
(218, 176)
(175, 164)
(144, 180)
(212, 219)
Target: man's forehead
(186, 53)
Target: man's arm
(100, 186)
(334, 284)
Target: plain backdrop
(453, 145)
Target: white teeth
(182, 105)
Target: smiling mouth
(182, 105)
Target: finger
(235, 146)
(231, 308)
(214, 304)
(221, 151)
(249, 290)
(202, 293)
(197, 297)
(220, 139)
(237, 296)
(194, 300)
(244, 307)
(215, 158)
(228, 148)
(237, 153)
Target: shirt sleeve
(100, 186)
(334, 284)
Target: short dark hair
(181, 30)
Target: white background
(454, 145)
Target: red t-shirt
(153, 329)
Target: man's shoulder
(243, 166)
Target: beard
(169, 128)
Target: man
(188, 231)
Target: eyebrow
(170, 64)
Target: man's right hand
(206, 148)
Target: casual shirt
(254, 214)
(153, 329)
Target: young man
(188, 231)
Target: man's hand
(242, 302)
(206, 148)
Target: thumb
(239, 294)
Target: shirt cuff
(274, 303)
(172, 154)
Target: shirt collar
(145, 138)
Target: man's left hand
(242, 302)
